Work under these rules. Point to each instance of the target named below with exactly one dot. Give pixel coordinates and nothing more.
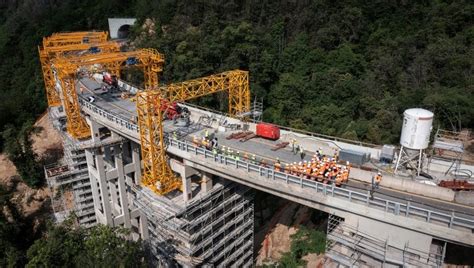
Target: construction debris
(248, 137)
(457, 185)
(238, 135)
(280, 145)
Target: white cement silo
(416, 128)
(415, 137)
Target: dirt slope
(33, 203)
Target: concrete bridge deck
(430, 214)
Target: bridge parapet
(440, 217)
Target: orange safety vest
(378, 178)
(277, 166)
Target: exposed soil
(32, 203)
(276, 233)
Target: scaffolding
(349, 247)
(68, 179)
(213, 230)
(449, 146)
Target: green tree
(18, 146)
(303, 242)
(99, 246)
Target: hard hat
(379, 173)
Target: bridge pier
(206, 182)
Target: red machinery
(110, 80)
(172, 111)
(268, 131)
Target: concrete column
(143, 226)
(187, 190)
(206, 182)
(95, 190)
(136, 161)
(122, 188)
(186, 172)
(104, 192)
(94, 129)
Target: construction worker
(293, 146)
(378, 179)
(205, 143)
(214, 142)
(277, 165)
(224, 151)
(175, 135)
(237, 156)
(302, 153)
(254, 159)
(246, 156)
(206, 133)
(195, 140)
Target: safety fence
(407, 209)
(441, 216)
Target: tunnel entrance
(123, 31)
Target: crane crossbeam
(156, 173)
(63, 39)
(67, 68)
(61, 43)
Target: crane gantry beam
(157, 174)
(67, 69)
(63, 39)
(60, 43)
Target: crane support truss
(60, 43)
(157, 174)
(67, 68)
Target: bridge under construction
(147, 160)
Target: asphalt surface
(262, 149)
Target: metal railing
(446, 218)
(442, 217)
(114, 118)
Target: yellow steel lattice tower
(59, 43)
(157, 175)
(68, 67)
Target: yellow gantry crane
(67, 69)
(157, 174)
(60, 43)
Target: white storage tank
(416, 129)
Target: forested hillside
(345, 68)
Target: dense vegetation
(346, 68)
(304, 242)
(63, 245)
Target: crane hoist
(67, 69)
(157, 175)
(61, 43)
